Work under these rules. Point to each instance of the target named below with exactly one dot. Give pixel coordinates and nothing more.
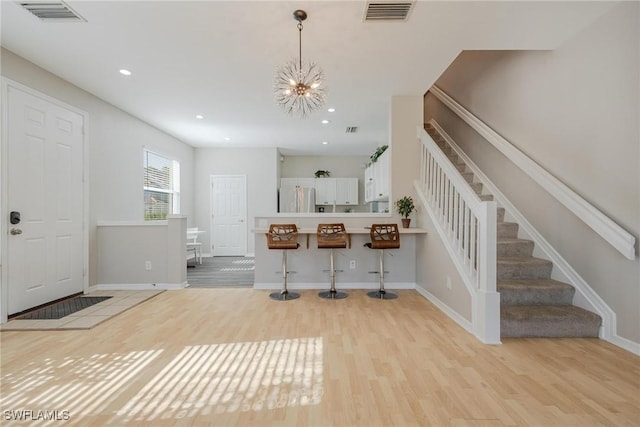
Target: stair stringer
(585, 297)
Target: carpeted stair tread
(523, 268)
(468, 176)
(507, 230)
(510, 247)
(552, 321)
(486, 197)
(535, 292)
(500, 212)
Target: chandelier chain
(300, 42)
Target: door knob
(15, 231)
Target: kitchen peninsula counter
(308, 263)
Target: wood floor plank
(234, 357)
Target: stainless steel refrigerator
(297, 199)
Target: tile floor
(88, 317)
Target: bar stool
(383, 236)
(284, 237)
(332, 236)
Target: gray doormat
(63, 308)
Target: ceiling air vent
(352, 129)
(387, 11)
(52, 11)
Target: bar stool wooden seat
(383, 236)
(283, 237)
(332, 236)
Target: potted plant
(322, 174)
(404, 207)
(379, 151)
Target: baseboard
(453, 315)
(339, 286)
(624, 343)
(137, 286)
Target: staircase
(531, 303)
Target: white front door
(45, 255)
(229, 215)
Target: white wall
(405, 116)
(131, 246)
(435, 269)
(339, 166)
(575, 111)
(260, 167)
(115, 141)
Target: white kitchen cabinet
(377, 179)
(337, 191)
(381, 177)
(369, 187)
(347, 191)
(297, 182)
(325, 191)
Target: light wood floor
(234, 357)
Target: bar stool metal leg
(284, 294)
(381, 293)
(332, 293)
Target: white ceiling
(218, 59)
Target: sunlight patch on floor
(224, 378)
(93, 382)
(250, 261)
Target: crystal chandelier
(298, 85)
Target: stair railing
(468, 228)
(615, 235)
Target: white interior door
(229, 215)
(45, 255)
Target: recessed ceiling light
(226, 138)
(199, 116)
(331, 110)
(324, 143)
(125, 72)
(324, 122)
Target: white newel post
(488, 299)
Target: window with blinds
(161, 186)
